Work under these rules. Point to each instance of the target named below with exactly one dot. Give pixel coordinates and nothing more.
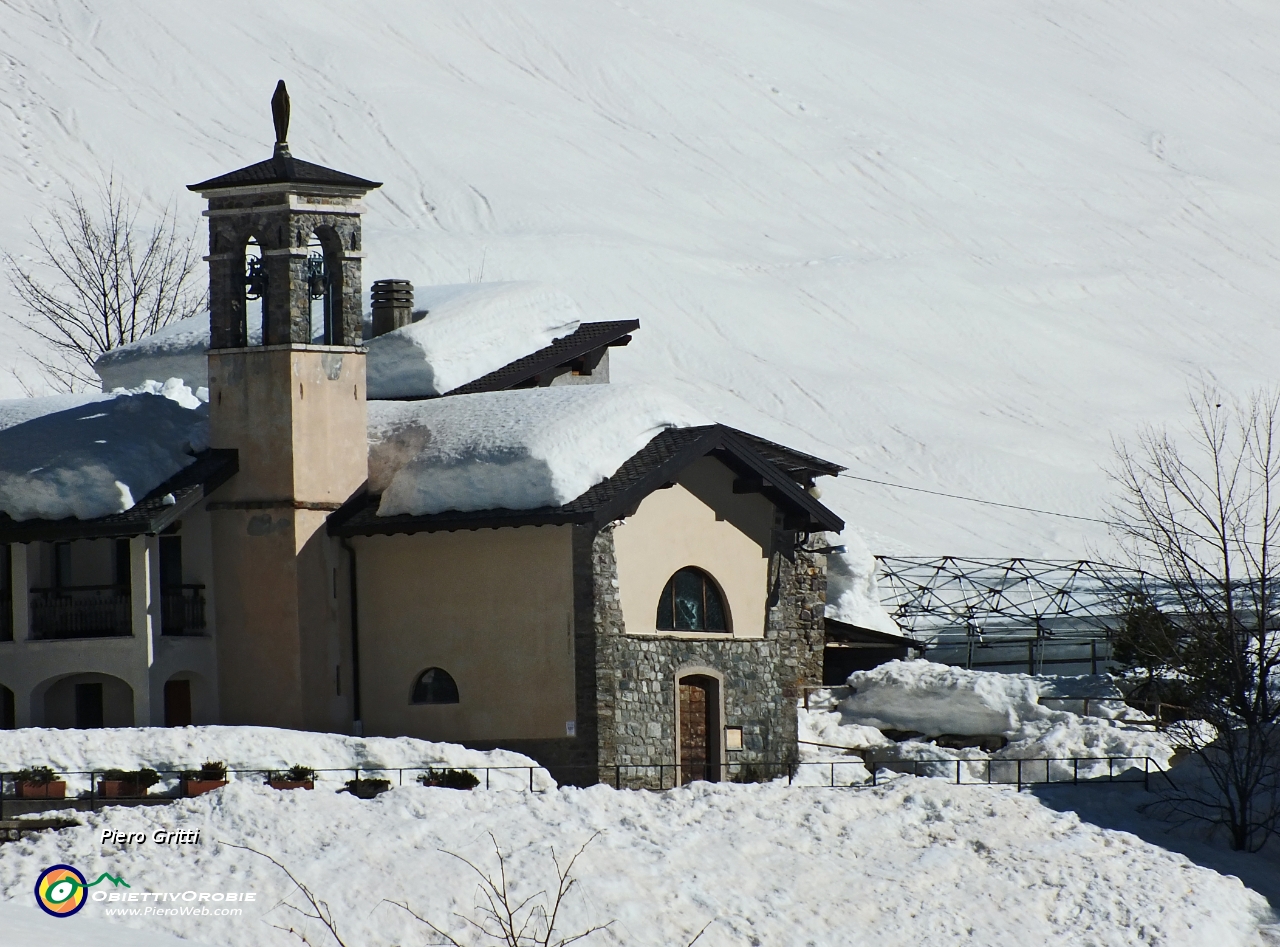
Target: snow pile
(762, 863)
(176, 351)
(24, 923)
(852, 592)
(513, 450)
(934, 698)
(470, 330)
(99, 456)
(175, 749)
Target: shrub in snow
(98, 457)
(36, 775)
(366, 788)
(470, 330)
(513, 450)
(449, 779)
(260, 749)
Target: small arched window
(434, 686)
(691, 601)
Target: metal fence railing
(89, 789)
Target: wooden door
(177, 704)
(699, 729)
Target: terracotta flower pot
(290, 784)
(198, 787)
(119, 789)
(55, 789)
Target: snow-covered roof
(91, 456)
(515, 450)
(176, 351)
(470, 330)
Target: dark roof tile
(284, 169)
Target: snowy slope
(957, 246)
(920, 864)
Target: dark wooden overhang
(283, 168)
(580, 350)
(658, 464)
(841, 634)
(152, 514)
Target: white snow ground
(957, 246)
(919, 863)
(175, 749)
(933, 700)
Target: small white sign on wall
(733, 738)
(571, 728)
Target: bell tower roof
(282, 167)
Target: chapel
(423, 512)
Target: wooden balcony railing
(81, 611)
(182, 610)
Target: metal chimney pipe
(392, 304)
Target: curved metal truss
(950, 599)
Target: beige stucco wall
(297, 415)
(697, 522)
(494, 608)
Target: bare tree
(1199, 516)
(506, 921)
(100, 279)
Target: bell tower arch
(289, 397)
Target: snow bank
(98, 456)
(24, 923)
(470, 330)
(176, 351)
(764, 864)
(852, 592)
(934, 698)
(247, 748)
(512, 450)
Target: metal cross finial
(280, 114)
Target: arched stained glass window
(691, 601)
(434, 686)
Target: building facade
(658, 628)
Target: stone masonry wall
(636, 675)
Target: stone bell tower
(287, 391)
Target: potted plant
(126, 784)
(39, 782)
(449, 779)
(366, 788)
(296, 777)
(212, 775)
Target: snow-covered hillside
(952, 245)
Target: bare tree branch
(1199, 523)
(100, 279)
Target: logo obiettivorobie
(62, 891)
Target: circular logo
(61, 890)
